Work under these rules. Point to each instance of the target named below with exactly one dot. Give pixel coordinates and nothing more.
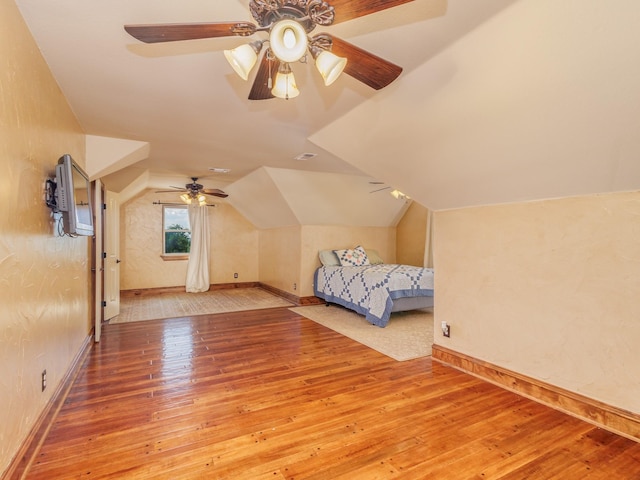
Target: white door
(112, 257)
(98, 227)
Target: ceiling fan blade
(212, 191)
(365, 66)
(220, 195)
(260, 89)
(177, 189)
(350, 9)
(171, 32)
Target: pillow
(328, 258)
(353, 258)
(373, 256)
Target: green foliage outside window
(176, 241)
(177, 231)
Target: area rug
(408, 335)
(135, 308)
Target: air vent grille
(305, 156)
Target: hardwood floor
(270, 394)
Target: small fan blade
(350, 9)
(365, 66)
(261, 89)
(171, 32)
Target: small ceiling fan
(288, 23)
(194, 192)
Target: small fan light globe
(285, 84)
(330, 66)
(288, 40)
(243, 58)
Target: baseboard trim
(299, 301)
(181, 289)
(27, 452)
(610, 418)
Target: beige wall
(44, 279)
(411, 234)
(280, 254)
(549, 289)
(289, 255)
(284, 258)
(234, 245)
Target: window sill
(170, 258)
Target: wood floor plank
(270, 394)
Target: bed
(372, 288)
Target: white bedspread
(370, 290)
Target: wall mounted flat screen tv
(73, 197)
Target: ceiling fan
(195, 192)
(397, 194)
(288, 23)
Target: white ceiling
(499, 100)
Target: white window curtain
(198, 265)
(428, 247)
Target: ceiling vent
(305, 156)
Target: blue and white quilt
(371, 289)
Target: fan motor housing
(307, 13)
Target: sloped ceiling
(499, 101)
(274, 197)
(540, 101)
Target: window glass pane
(176, 232)
(177, 242)
(176, 218)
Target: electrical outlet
(43, 381)
(235, 275)
(295, 286)
(446, 329)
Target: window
(176, 238)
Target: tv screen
(73, 197)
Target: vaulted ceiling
(499, 101)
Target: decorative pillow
(373, 256)
(328, 258)
(353, 258)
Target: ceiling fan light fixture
(243, 58)
(330, 66)
(285, 84)
(399, 195)
(288, 40)
(186, 198)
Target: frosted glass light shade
(399, 195)
(288, 40)
(285, 84)
(330, 66)
(242, 59)
(186, 198)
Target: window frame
(174, 255)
